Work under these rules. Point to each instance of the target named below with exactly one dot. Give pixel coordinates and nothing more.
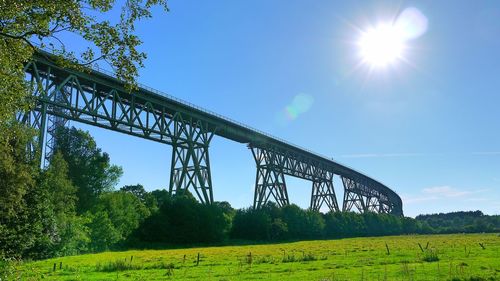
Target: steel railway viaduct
(97, 98)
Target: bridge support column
(43, 87)
(269, 181)
(373, 205)
(36, 120)
(47, 126)
(323, 192)
(36, 117)
(54, 123)
(352, 197)
(190, 162)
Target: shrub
(430, 256)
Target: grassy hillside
(439, 257)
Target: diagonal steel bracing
(358, 196)
(273, 164)
(61, 96)
(97, 104)
(323, 193)
(97, 99)
(190, 161)
(269, 182)
(54, 122)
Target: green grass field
(439, 257)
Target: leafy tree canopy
(23, 22)
(17, 178)
(137, 190)
(88, 167)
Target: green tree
(88, 167)
(161, 197)
(61, 189)
(279, 229)
(37, 217)
(252, 224)
(72, 234)
(31, 220)
(18, 173)
(45, 22)
(137, 190)
(314, 225)
(295, 218)
(124, 210)
(103, 233)
(114, 218)
(147, 198)
(183, 220)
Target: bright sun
(382, 45)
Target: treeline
(294, 223)
(467, 222)
(72, 207)
(66, 209)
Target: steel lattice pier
(94, 98)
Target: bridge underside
(62, 96)
(96, 99)
(358, 196)
(272, 166)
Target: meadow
(422, 257)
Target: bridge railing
(111, 74)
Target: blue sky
(428, 126)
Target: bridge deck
(220, 125)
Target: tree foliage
(40, 215)
(41, 212)
(71, 234)
(18, 175)
(89, 168)
(51, 23)
(183, 220)
(113, 219)
(469, 222)
(37, 208)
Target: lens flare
(386, 43)
(300, 104)
(411, 23)
(382, 45)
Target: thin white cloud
(446, 191)
(479, 199)
(486, 153)
(376, 155)
(418, 199)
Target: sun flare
(387, 43)
(381, 46)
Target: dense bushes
(68, 208)
(468, 222)
(71, 207)
(293, 223)
(183, 220)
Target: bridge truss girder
(323, 193)
(96, 99)
(273, 164)
(270, 183)
(62, 95)
(358, 196)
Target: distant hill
(454, 222)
